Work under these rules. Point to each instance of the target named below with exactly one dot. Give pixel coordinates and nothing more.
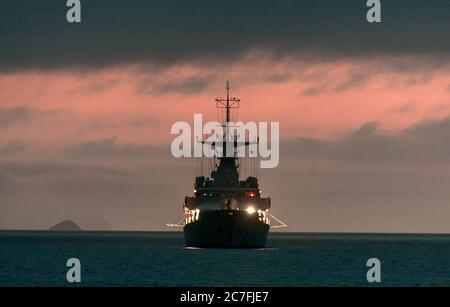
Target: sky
(86, 109)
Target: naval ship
(225, 211)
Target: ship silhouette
(224, 211)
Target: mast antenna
(227, 103)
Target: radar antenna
(227, 103)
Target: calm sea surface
(35, 258)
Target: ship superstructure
(224, 210)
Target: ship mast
(228, 103)
(226, 174)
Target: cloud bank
(365, 181)
(35, 35)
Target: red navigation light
(250, 194)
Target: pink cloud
(139, 104)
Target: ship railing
(179, 224)
(282, 224)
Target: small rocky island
(66, 225)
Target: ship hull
(226, 229)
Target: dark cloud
(423, 144)
(103, 85)
(109, 149)
(39, 169)
(277, 78)
(11, 149)
(21, 115)
(132, 121)
(360, 198)
(395, 72)
(35, 35)
(355, 80)
(367, 180)
(187, 85)
(12, 116)
(190, 86)
(39, 195)
(314, 91)
(418, 71)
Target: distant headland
(66, 225)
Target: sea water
(38, 258)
